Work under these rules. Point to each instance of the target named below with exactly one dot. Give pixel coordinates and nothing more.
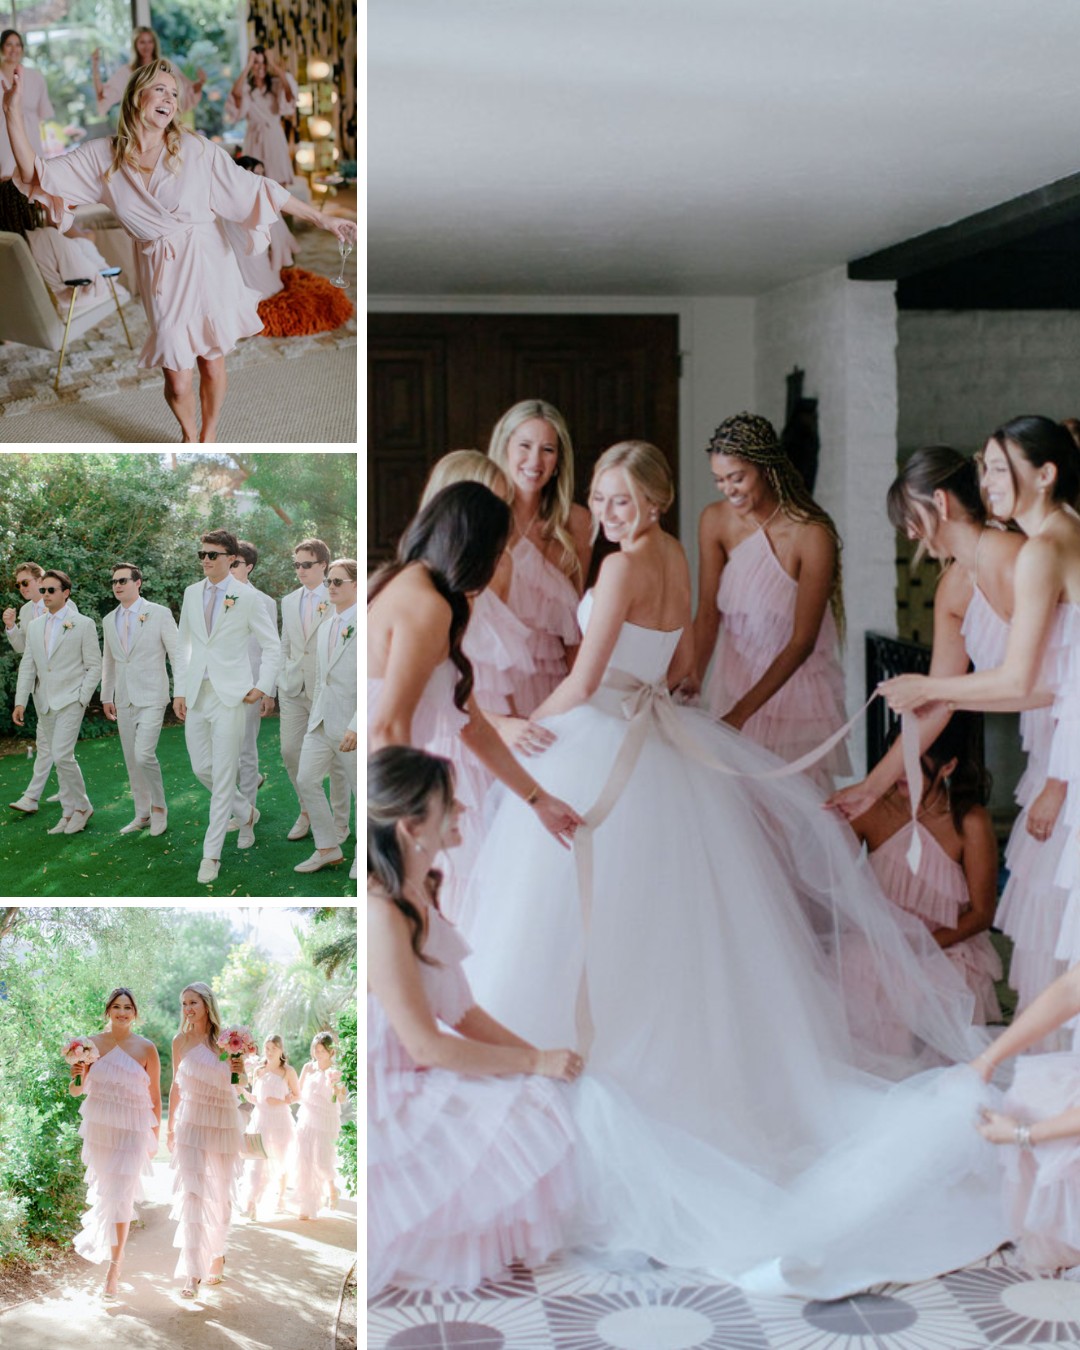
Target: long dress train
(704, 963)
(117, 1130)
(206, 1160)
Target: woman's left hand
(906, 693)
(997, 1127)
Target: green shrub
(347, 1140)
(13, 1244)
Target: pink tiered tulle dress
(939, 895)
(1043, 1185)
(275, 1125)
(317, 1128)
(117, 1131)
(206, 1160)
(1065, 764)
(1034, 900)
(756, 600)
(499, 646)
(544, 599)
(465, 1174)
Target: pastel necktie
(127, 630)
(208, 610)
(335, 631)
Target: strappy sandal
(107, 1294)
(219, 1278)
(191, 1289)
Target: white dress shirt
(53, 624)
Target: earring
(418, 848)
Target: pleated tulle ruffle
(756, 600)
(544, 599)
(117, 1129)
(206, 1160)
(497, 643)
(1043, 1185)
(317, 1128)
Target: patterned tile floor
(566, 1307)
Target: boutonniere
(69, 623)
(347, 633)
(229, 601)
(142, 617)
(321, 608)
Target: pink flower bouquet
(80, 1050)
(234, 1041)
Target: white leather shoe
(352, 870)
(134, 826)
(159, 822)
(79, 821)
(233, 825)
(301, 827)
(54, 798)
(208, 870)
(246, 837)
(61, 826)
(25, 804)
(318, 861)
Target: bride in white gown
(697, 946)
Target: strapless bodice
(644, 653)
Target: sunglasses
(209, 553)
(51, 590)
(238, 563)
(337, 581)
(121, 581)
(26, 581)
(305, 566)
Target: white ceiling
(698, 147)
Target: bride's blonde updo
(645, 467)
(126, 141)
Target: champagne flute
(344, 248)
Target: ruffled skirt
(317, 1128)
(206, 1162)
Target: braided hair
(752, 438)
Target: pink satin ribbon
(643, 704)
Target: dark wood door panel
(440, 382)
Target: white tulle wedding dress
(745, 1113)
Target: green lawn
(100, 862)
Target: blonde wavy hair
(135, 57)
(557, 496)
(466, 466)
(213, 1013)
(647, 470)
(126, 141)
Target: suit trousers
(213, 734)
(294, 712)
(140, 729)
(42, 768)
(249, 751)
(59, 730)
(320, 756)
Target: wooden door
(440, 382)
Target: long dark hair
(268, 80)
(402, 782)
(970, 782)
(459, 536)
(1041, 441)
(17, 214)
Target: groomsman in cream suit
(302, 613)
(250, 777)
(331, 733)
(135, 690)
(212, 678)
(28, 577)
(61, 667)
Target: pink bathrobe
(195, 298)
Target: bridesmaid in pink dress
(317, 1127)
(205, 1129)
(498, 645)
(121, 1118)
(420, 682)
(1040, 1130)
(770, 583)
(1032, 475)
(955, 889)
(273, 1091)
(551, 542)
(470, 1144)
(937, 501)
(169, 189)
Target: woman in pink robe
(145, 48)
(36, 106)
(171, 191)
(264, 94)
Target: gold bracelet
(530, 800)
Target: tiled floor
(568, 1307)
